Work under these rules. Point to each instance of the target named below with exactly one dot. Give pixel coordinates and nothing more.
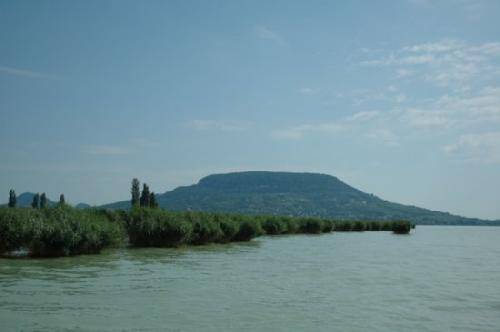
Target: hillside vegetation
(294, 194)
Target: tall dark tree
(35, 204)
(12, 198)
(43, 201)
(62, 200)
(152, 200)
(136, 192)
(145, 196)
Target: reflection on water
(438, 278)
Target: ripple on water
(438, 278)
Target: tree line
(146, 198)
(38, 202)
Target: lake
(435, 279)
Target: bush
(358, 226)
(248, 230)
(206, 230)
(343, 226)
(64, 231)
(274, 226)
(401, 227)
(374, 226)
(311, 226)
(328, 226)
(156, 228)
(60, 231)
(387, 226)
(291, 225)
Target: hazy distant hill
(294, 194)
(25, 200)
(83, 206)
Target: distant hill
(294, 194)
(83, 206)
(25, 199)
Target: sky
(397, 98)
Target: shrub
(228, 227)
(274, 226)
(311, 226)
(401, 227)
(328, 226)
(248, 230)
(387, 226)
(206, 230)
(156, 228)
(343, 226)
(375, 226)
(63, 230)
(59, 231)
(358, 226)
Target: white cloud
(385, 136)
(392, 88)
(426, 119)
(416, 59)
(362, 124)
(24, 73)
(403, 72)
(307, 91)
(444, 63)
(436, 47)
(298, 132)
(482, 147)
(390, 94)
(457, 111)
(265, 32)
(363, 116)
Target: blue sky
(397, 98)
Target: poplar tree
(35, 204)
(152, 200)
(135, 191)
(12, 198)
(62, 200)
(145, 196)
(43, 201)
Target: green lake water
(435, 279)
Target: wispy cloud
(299, 131)
(482, 147)
(457, 111)
(444, 63)
(390, 94)
(264, 32)
(385, 136)
(363, 116)
(217, 125)
(25, 73)
(362, 124)
(454, 113)
(308, 91)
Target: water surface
(436, 279)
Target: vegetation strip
(66, 231)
